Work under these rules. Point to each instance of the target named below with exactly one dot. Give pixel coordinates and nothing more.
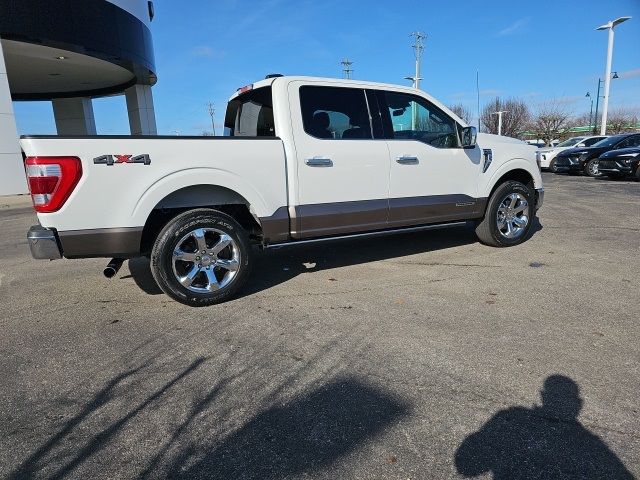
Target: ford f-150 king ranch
(305, 159)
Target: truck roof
(346, 82)
(355, 83)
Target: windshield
(570, 142)
(609, 142)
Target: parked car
(576, 160)
(546, 156)
(307, 159)
(620, 163)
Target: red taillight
(51, 180)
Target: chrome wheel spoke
(509, 231)
(514, 199)
(501, 223)
(184, 256)
(231, 265)
(521, 222)
(522, 207)
(187, 280)
(224, 242)
(200, 240)
(212, 280)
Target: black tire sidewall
(162, 253)
(492, 211)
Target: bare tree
(621, 120)
(514, 121)
(550, 121)
(463, 112)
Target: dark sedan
(576, 160)
(620, 163)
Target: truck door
(432, 179)
(342, 172)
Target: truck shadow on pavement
(279, 265)
(546, 441)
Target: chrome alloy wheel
(594, 168)
(205, 260)
(512, 217)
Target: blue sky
(538, 50)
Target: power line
(418, 48)
(346, 68)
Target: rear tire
(201, 257)
(508, 217)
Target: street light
(588, 95)
(610, 25)
(500, 119)
(598, 97)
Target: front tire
(509, 215)
(201, 257)
(552, 166)
(591, 168)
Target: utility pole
(500, 119)
(418, 48)
(346, 68)
(607, 76)
(212, 112)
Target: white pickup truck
(305, 159)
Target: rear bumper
(48, 243)
(44, 243)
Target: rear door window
(335, 113)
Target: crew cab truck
(305, 159)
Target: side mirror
(469, 136)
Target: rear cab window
(250, 114)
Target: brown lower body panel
(300, 222)
(101, 242)
(327, 219)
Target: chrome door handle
(407, 160)
(319, 162)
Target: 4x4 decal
(113, 159)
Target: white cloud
(515, 27)
(206, 51)
(630, 73)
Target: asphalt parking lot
(423, 355)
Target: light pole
(598, 97)
(588, 95)
(500, 119)
(610, 25)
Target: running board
(377, 233)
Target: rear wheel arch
(198, 196)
